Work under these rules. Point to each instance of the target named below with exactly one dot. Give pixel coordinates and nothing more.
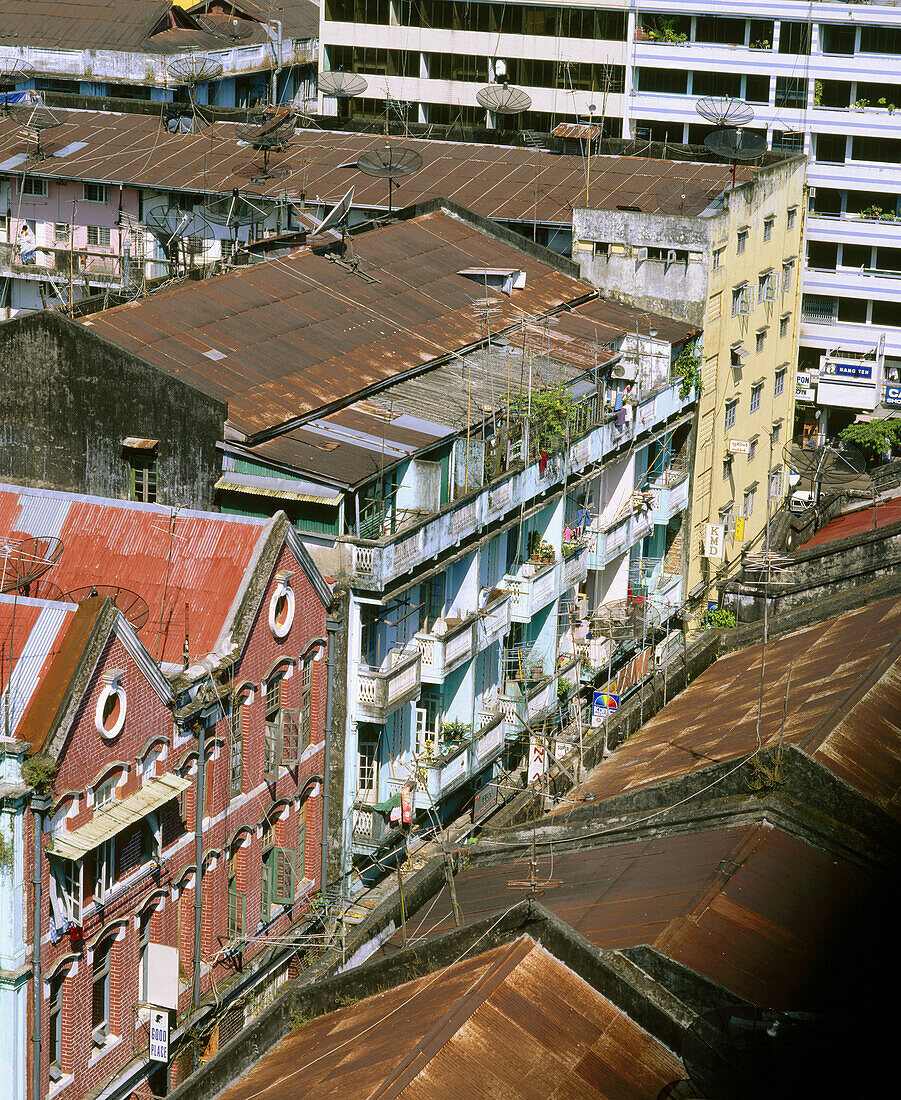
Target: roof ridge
(411, 1065)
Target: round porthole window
(110, 715)
(281, 611)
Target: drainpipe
(279, 62)
(200, 731)
(40, 804)
(332, 627)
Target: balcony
(448, 646)
(87, 268)
(670, 494)
(369, 828)
(533, 587)
(575, 565)
(464, 762)
(383, 691)
(666, 596)
(494, 618)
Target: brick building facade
(125, 735)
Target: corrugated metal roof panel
(118, 815)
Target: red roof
(855, 523)
(31, 632)
(196, 561)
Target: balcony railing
(534, 586)
(446, 647)
(383, 691)
(369, 827)
(575, 566)
(101, 268)
(463, 763)
(670, 495)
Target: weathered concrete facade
(68, 398)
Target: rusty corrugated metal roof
(750, 907)
(856, 523)
(299, 333)
(513, 1023)
(494, 180)
(844, 709)
(32, 632)
(198, 559)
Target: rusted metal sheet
(839, 693)
(496, 181)
(750, 907)
(514, 1022)
(196, 559)
(98, 25)
(348, 334)
(856, 523)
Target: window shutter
(284, 876)
(292, 742)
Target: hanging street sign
(159, 1035)
(739, 447)
(713, 540)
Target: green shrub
(718, 618)
(39, 772)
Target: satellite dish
(680, 197)
(228, 27)
(14, 72)
(734, 144)
(22, 561)
(390, 162)
(343, 85)
(724, 111)
(132, 606)
(194, 69)
(825, 463)
(186, 119)
(234, 210)
(503, 100)
(35, 118)
(268, 131)
(337, 216)
(178, 231)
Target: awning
(118, 815)
(135, 443)
(282, 488)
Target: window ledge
(58, 1086)
(112, 1041)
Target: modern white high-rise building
(821, 77)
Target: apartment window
(737, 355)
(794, 37)
(718, 258)
(96, 192)
(777, 431)
(279, 870)
(727, 467)
(100, 993)
(67, 880)
(759, 340)
(766, 286)
(60, 232)
(783, 325)
(742, 241)
(98, 236)
(105, 794)
(752, 447)
(747, 507)
(236, 900)
(737, 298)
(143, 471)
(779, 384)
(55, 1023)
(777, 484)
(104, 869)
(791, 91)
(236, 758)
(790, 216)
(144, 958)
(367, 769)
(756, 391)
(273, 725)
(731, 408)
(768, 226)
(788, 271)
(789, 141)
(306, 703)
(34, 186)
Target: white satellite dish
(337, 216)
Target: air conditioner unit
(627, 371)
(800, 501)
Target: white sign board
(162, 976)
(159, 1035)
(713, 540)
(739, 447)
(536, 759)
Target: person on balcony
(27, 244)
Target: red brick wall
(84, 760)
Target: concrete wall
(67, 400)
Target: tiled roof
(188, 566)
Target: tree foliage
(687, 368)
(550, 413)
(875, 437)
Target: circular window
(110, 715)
(281, 612)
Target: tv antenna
(341, 85)
(336, 217)
(174, 226)
(133, 607)
(229, 27)
(14, 71)
(234, 211)
(390, 162)
(723, 110)
(35, 118)
(23, 561)
(735, 145)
